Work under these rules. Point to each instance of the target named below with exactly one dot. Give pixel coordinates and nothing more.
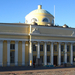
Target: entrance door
(55, 60)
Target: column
(45, 53)
(8, 53)
(51, 53)
(30, 55)
(38, 50)
(71, 53)
(16, 53)
(59, 54)
(1, 53)
(23, 53)
(65, 53)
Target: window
(41, 58)
(41, 47)
(68, 48)
(68, 59)
(62, 58)
(55, 47)
(52, 21)
(33, 20)
(62, 47)
(12, 46)
(45, 20)
(48, 47)
(73, 58)
(12, 57)
(48, 59)
(34, 59)
(74, 48)
(34, 48)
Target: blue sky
(14, 11)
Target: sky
(14, 11)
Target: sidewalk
(27, 70)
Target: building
(23, 43)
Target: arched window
(52, 21)
(45, 20)
(33, 20)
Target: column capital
(8, 40)
(45, 41)
(23, 41)
(66, 42)
(1, 40)
(52, 42)
(16, 41)
(72, 42)
(59, 42)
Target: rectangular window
(68, 48)
(34, 59)
(74, 48)
(34, 48)
(48, 47)
(41, 47)
(73, 58)
(12, 46)
(12, 57)
(48, 59)
(68, 59)
(62, 47)
(41, 58)
(62, 58)
(55, 47)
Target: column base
(23, 64)
(16, 64)
(8, 64)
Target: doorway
(55, 60)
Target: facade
(23, 43)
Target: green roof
(39, 11)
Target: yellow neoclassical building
(37, 40)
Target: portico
(52, 52)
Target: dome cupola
(40, 16)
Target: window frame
(68, 48)
(36, 20)
(46, 19)
(73, 48)
(34, 47)
(55, 48)
(41, 48)
(68, 58)
(62, 59)
(48, 47)
(48, 59)
(12, 57)
(61, 48)
(12, 46)
(41, 57)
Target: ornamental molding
(73, 33)
(35, 31)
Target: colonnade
(51, 53)
(38, 53)
(8, 53)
